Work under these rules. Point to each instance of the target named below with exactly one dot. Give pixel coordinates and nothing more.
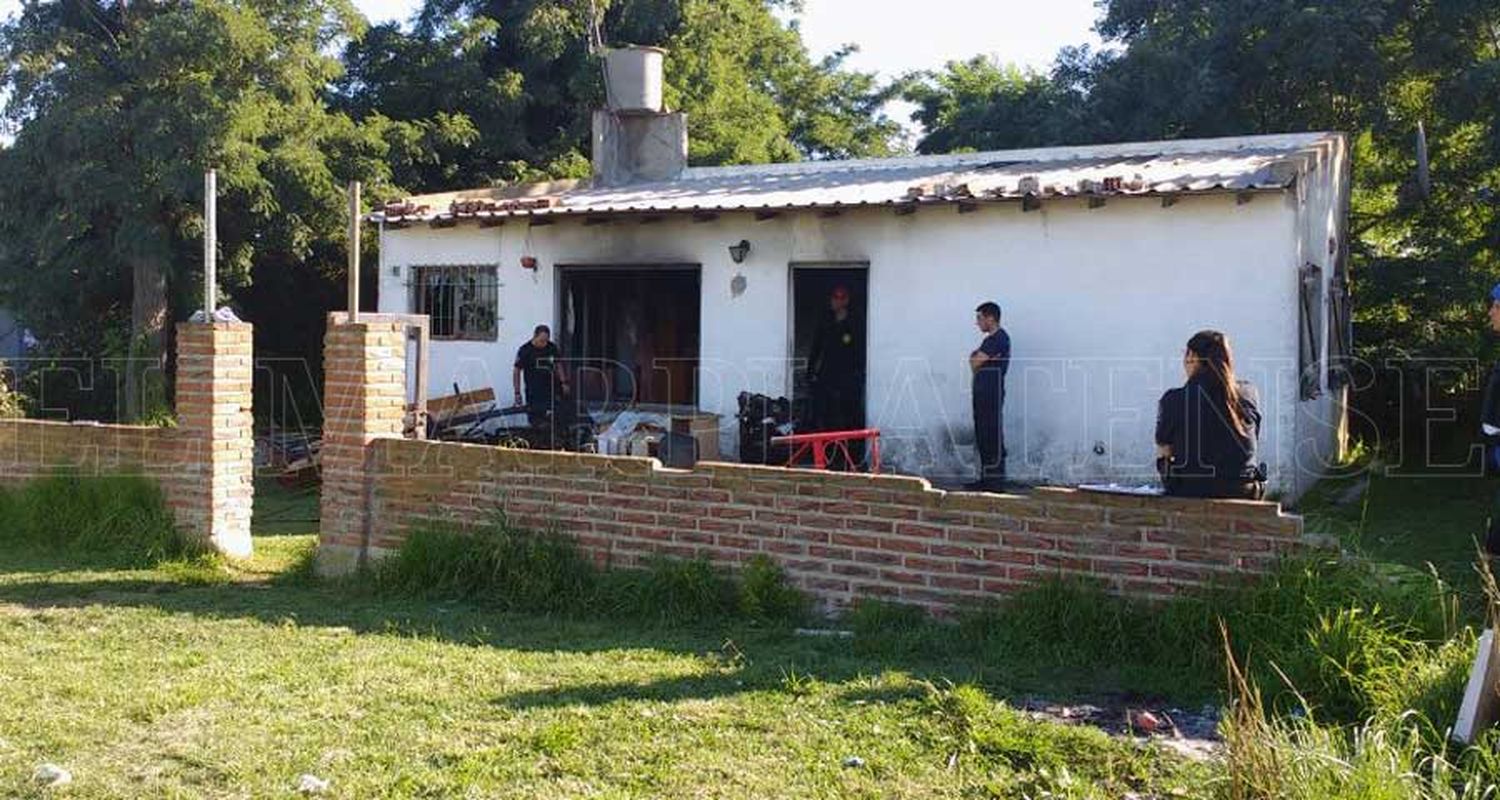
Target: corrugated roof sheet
(1245, 164)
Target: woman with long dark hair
(1206, 429)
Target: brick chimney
(635, 138)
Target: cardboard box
(703, 427)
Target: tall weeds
(1294, 757)
(514, 569)
(112, 518)
(1353, 637)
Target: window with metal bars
(1340, 331)
(462, 302)
(1310, 330)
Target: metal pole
(353, 252)
(210, 242)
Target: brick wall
(215, 365)
(838, 536)
(363, 399)
(204, 465)
(33, 448)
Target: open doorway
(835, 348)
(631, 333)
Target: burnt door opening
(836, 401)
(631, 334)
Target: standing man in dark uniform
(836, 367)
(537, 361)
(989, 364)
(1489, 429)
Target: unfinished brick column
(364, 375)
(215, 363)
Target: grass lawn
(201, 680)
(1424, 521)
(190, 681)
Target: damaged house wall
(1098, 301)
(1322, 242)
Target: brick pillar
(214, 368)
(364, 397)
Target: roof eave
(447, 219)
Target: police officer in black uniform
(989, 363)
(836, 367)
(536, 360)
(1489, 429)
(1206, 429)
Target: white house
(687, 285)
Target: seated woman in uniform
(1206, 429)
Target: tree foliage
(119, 108)
(981, 105)
(502, 90)
(1377, 69)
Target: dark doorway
(631, 334)
(837, 399)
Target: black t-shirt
(838, 350)
(1194, 420)
(989, 379)
(539, 365)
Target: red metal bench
(819, 443)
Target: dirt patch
(1191, 733)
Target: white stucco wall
(1322, 227)
(1099, 304)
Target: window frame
(449, 325)
(1311, 327)
(1340, 332)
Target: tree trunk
(145, 386)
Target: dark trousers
(1234, 489)
(538, 405)
(836, 407)
(1492, 523)
(989, 436)
(1492, 528)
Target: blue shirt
(989, 379)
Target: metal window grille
(462, 302)
(1340, 332)
(1310, 329)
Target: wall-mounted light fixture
(738, 251)
(528, 262)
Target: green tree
(1421, 260)
(119, 107)
(981, 105)
(502, 90)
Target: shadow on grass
(1409, 520)
(732, 680)
(742, 657)
(694, 687)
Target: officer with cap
(836, 366)
(1489, 426)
